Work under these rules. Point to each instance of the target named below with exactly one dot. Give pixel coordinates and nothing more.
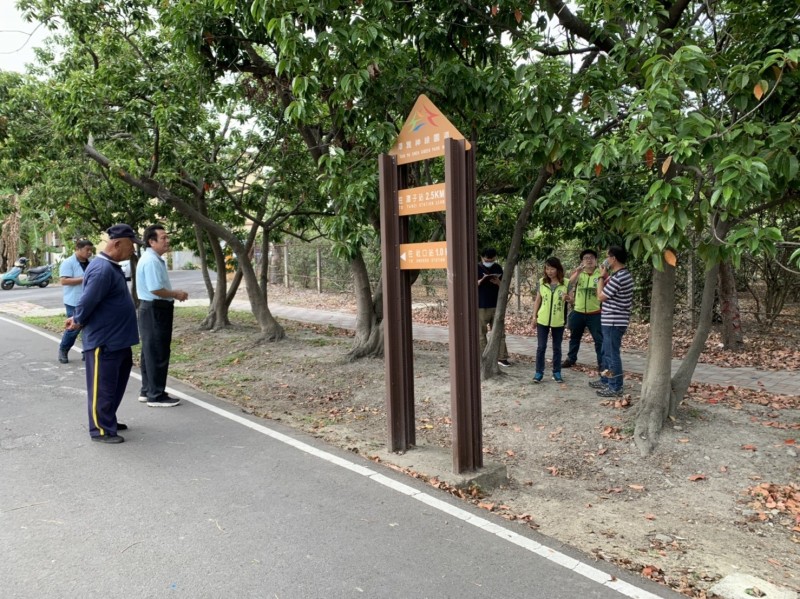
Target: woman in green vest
(548, 316)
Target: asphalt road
(204, 501)
(52, 296)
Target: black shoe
(567, 363)
(164, 402)
(609, 392)
(108, 439)
(122, 427)
(504, 363)
(62, 356)
(598, 385)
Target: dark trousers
(106, 378)
(542, 333)
(578, 323)
(69, 337)
(155, 331)
(612, 357)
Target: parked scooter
(34, 277)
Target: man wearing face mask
(490, 273)
(585, 308)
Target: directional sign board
(419, 200)
(423, 134)
(414, 256)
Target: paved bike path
(204, 501)
(783, 382)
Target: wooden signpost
(428, 134)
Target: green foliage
(651, 130)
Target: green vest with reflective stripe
(551, 312)
(586, 300)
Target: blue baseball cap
(121, 231)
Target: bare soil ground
(719, 495)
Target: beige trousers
(485, 318)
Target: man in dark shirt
(490, 273)
(106, 315)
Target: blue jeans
(541, 346)
(578, 323)
(69, 337)
(612, 356)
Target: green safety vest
(551, 312)
(586, 300)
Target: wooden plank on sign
(424, 133)
(419, 200)
(416, 256)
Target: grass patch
(48, 323)
(233, 358)
(196, 315)
(179, 354)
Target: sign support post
(428, 134)
(398, 348)
(462, 313)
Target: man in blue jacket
(106, 315)
(71, 276)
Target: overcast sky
(16, 41)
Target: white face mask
(487, 264)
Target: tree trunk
(683, 377)
(270, 329)
(369, 315)
(217, 317)
(201, 251)
(656, 383)
(275, 276)
(489, 366)
(732, 334)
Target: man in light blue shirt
(156, 307)
(71, 276)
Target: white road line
(552, 555)
(524, 542)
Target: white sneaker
(143, 398)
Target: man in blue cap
(106, 315)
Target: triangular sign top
(423, 133)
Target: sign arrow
(403, 256)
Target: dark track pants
(578, 322)
(106, 378)
(155, 330)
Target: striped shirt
(616, 310)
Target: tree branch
(580, 27)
